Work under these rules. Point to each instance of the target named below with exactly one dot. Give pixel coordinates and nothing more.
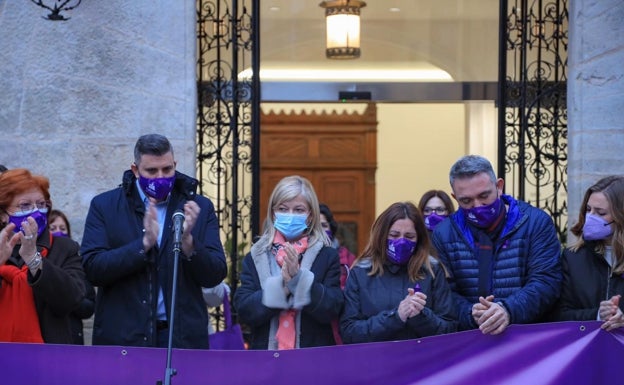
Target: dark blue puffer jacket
(525, 271)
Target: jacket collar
(513, 219)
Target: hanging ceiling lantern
(343, 28)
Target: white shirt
(161, 213)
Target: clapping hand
(290, 267)
(610, 313)
(8, 240)
(191, 213)
(150, 227)
(412, 304)
(28, 239)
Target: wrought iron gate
(228, 119)
(532, 104)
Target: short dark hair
(471, 165)
(151, 144)
(333, 225)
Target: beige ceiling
(457, 36)
(384, 9)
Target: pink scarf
(286, 330)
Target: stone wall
(75, 95)
(595, 95)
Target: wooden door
(337, 152)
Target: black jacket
(371, 302)
(83, 311)
(325, 297)
(129, 278)
(57, 287)
(587, 280)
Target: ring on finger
(28, 237)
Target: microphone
(178, 228)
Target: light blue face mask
(290, 225)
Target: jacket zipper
(608, 283)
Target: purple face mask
(484, 216)
(157, 188)
(329, 234)
(59, 234)
(40, 216)
(596, 228)
(432, 220)
(400, 250)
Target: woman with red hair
(41, 276)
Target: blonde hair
(287, 189)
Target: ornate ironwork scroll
(228, 119)
(532, 104)
(57, 7)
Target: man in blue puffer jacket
(502, 254)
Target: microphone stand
(169, 371)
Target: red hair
(19, 180)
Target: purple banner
(553, 354)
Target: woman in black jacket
(593, 267)
(396, 289)
(290, 281)
(41, 276)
